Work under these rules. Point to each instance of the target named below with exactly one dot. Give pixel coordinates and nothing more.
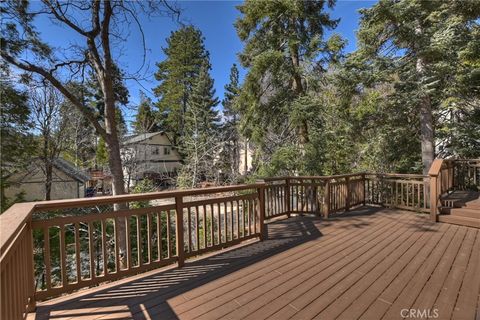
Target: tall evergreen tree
(231, 151)
(424, 43)
(185, 54)
(284, 43)
(145, 120)
(201, 143)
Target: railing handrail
(12, 221)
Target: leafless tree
(45, 103)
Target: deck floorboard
(369, 263)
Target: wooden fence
(53, 247)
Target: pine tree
(201, 142)
(231, 153)
(185, 54)
(424, 44)
(145, 120)
(284, 45)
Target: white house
(149, 155)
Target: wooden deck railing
(54, 247)
(450, 174)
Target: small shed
(67, 181)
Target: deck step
(461, 221)
(462, 212)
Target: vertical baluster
(219, 223)
(169, 244)
(77, 252)
(205, 227)
(129, 242)
(149, 238)
(104, 247)
(159, 235)
(225, 221)
(189, 221)
(197, 221)
(62, 256)
(232, 217)
(46, 245)
(91, 250)
(117, 246)
(139, 241)
(212, 225)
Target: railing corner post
(326, 212)
(433, 198)
(179, 231)
(261, 206)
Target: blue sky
(215, 19)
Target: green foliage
(145, 119)
(201, 140)
(143, 186)
(285, 50)
(17, 143)
(230, 154)
(101, 155)
(185, 55)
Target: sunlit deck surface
(369, 263)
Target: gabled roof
(70, 169)
(144, 136)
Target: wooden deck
(368, 264)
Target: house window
(166, 150)
(155, 151)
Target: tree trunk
(115, 162)
(302, 128)
(426, 125)
(48, 179)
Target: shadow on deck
(275, 277)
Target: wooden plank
(382, 273)
(470, 289)
(451, 287)
(406, 279)
(282, 283)
(412, 291)
(355, 308)
(209, 296)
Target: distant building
(67, 181)
(245, 164)
(149, 155)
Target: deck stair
(461, 208)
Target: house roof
(71, 170)
(144, 136)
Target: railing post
(30, 267)
(179, 231)
(288, 205)
(433, 197)
(364, 189)
(327, 199)
(261, 207)
(347, 196)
